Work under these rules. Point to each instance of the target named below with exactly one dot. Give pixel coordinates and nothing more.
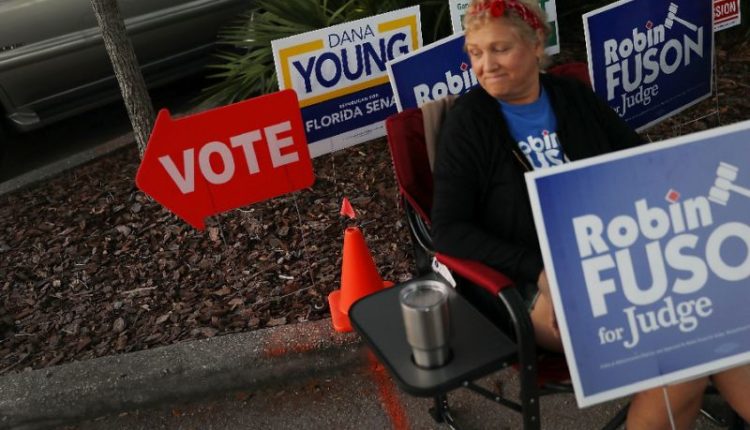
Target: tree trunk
(128, 73)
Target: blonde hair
(479, 15)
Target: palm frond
(245, 67)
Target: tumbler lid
(424, 294)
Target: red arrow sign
(228, 157)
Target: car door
(51, 47)
(168, 33)
(53, 62)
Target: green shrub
(245, 65)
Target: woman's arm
(619, 133)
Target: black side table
(478, 347)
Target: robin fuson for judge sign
(650, 59)
(648, 255)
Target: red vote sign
(228, 157)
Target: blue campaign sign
(650, 59)
(430, 73)
(648, 256)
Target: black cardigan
(481, 208)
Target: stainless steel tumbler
(424, 306)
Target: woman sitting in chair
(515, 121)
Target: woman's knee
(733, 384)
(648, 409)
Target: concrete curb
(184, 371)
(60, 166)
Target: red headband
(497, 9)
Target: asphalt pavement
(301, 376)
(360, 396)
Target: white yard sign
(341, 79)
(459, 8)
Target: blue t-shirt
(534, 127)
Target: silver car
(53, 63)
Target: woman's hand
(543, 285)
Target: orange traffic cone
(359, 278)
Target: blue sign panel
(354, 111)
(648, 256)
(430, 73)
(650, 59)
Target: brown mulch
(89, 266)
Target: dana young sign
(650, 59)
(340, 76)
(459, 8)
(648, 256)
(430, 73)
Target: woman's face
(506, 64)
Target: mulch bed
(90, 266)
